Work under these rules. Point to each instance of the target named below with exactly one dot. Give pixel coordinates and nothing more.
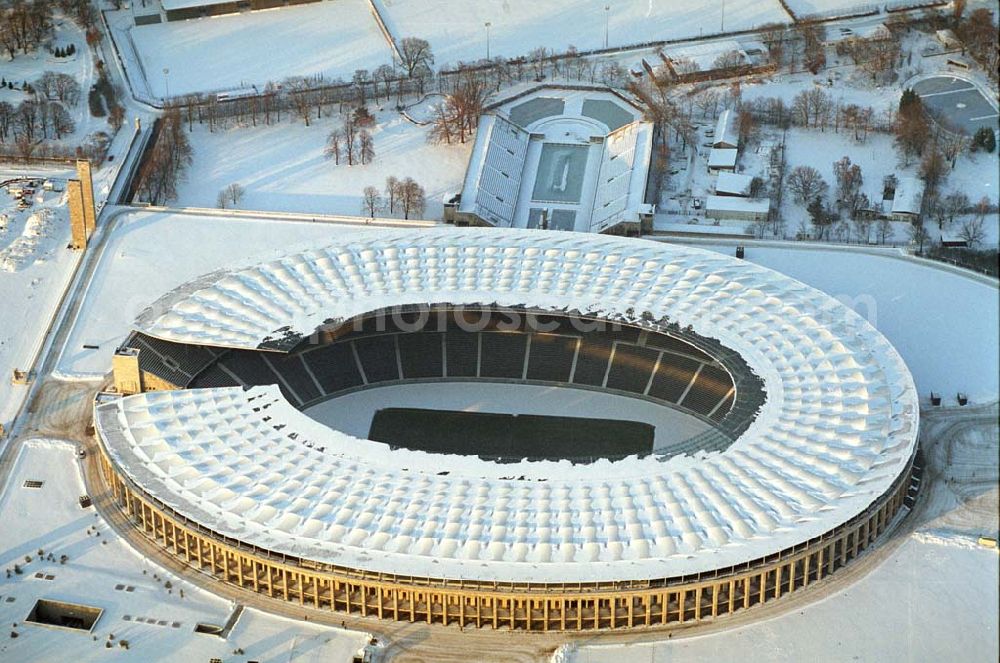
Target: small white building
(909, 198)
(733, 184)
(736, 208)
(722, 159)
(726, 133)
(948, 39)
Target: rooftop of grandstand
(582, 165)
(837, 427)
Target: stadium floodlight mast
(607, 14)
(166, 81)
(488, 24)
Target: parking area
(958, 102)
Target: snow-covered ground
(806, 8)
(944, 325)
(151, 253)
(35, 266)
(282, 167)
(896, 614)
(329, 39)
(101, 570)
(353, 413)
(456, 29)
(976, 175)
(29, 67)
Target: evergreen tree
(984, 139)
(909, 102)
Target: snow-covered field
(944, 325)
(807, 8)
(103, 571)
(330, 39)
(35, 266)
(352, 413)
(151, 253)
(896, 614)
(456, 29)
(282, 167)
(333, 39)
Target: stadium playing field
(510, 436)
(561, 169)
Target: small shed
(909, 198)
(732, 207)
(722, 159)
(726, 135)
(733, 184)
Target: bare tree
(973, 232)
(333, 146)
(933, 169)
(6, 120)
(58, 86)
(167, 160)
(849, 181)
(918, 235)
(416, 54)
(862, 228)
(298, 90)
(458, 115)
(952, 205)
(729, 61)
(59, 119)
(412, 198)
(233, 194)
(392, 192)
(538, 57)
(806, 183)
(371, 201)
(349, 132)
(774, 37)
(366, 147)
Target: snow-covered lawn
(103, 571)
(152, 252)
(456, 29)
(282, 167)
(331, 39)
(897, 614)
(35, 266)
(945, 326)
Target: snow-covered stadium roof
(838, 426)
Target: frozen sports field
(456, 29)
(333, 39)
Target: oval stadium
(783, 444)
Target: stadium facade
(209, 449)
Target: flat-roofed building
(733, 207)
